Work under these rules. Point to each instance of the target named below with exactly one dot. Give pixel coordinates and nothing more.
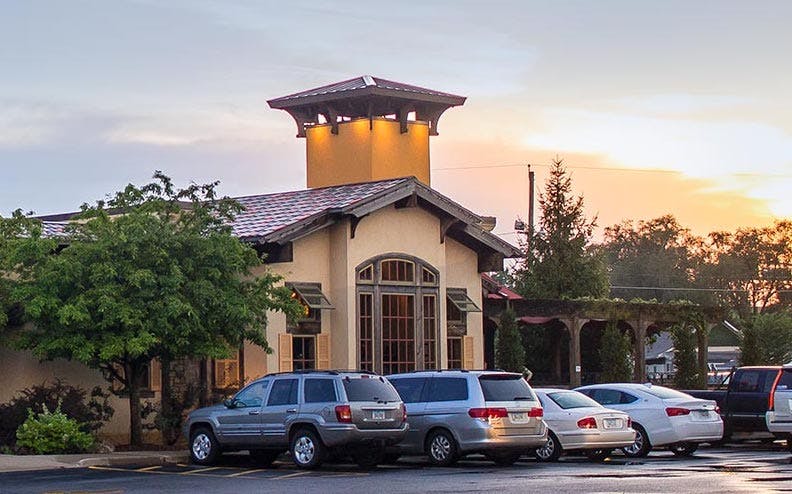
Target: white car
(661, 416)
(779, 413)
(577, 423)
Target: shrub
(52, 433)
(615, 355)
(89, 411)
(509, 351)
(685, 357)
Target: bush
(509, 351)
(615, 355)
(90, 414)
(685, 357)
(49, 433)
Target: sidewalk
(15, 463)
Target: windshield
(369, 389)
(665, 393)
(505, 387)
(572, 399)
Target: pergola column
(639, 349)
(702, 340)
(574, 325)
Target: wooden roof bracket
(403, 112)
(353, 224)
(445, 225)
(331, 115)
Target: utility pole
(530, 202)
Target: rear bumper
(343, 434)
(697, 432)
(486, 438)
(778, 424)
(595, 439)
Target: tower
(366, 129)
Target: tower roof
(365, 96)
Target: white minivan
(779, 409)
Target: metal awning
(461, 300)
(311, 295)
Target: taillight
(587, 423)
(676, 411)
(629, 422)
(717, 409)
(488, 413)
(343, 413)
(404, 412)
(771, 398)
(536, 412)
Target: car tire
(368, 456)
(306, 449)
(683, 449)
(204, 448)
(551, 450)
(641, 447)
(442, 448)
(597, 454)
(504, 459)
(264, 457)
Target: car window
(505, 387)
(319, 391)
(410, 389)
(626, 398)
(448, 389)
(665, 393)
(284, 392)
(748, 382)
(785, 382)
(252, 396)
(606, 396)
(572, 399)
(769, 380)
(369, 389)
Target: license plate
(703, 413)
(519, 417)
(612, 423)
(378, 415)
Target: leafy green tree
(685, 356)
(767, 339)
(615, 354)
(559, 262)
(154, 272)
(509, 351)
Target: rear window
(786, 380)
(369, 389)
(572, 399)
(664, 393)
(505, 387)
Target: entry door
(281, 408)
(398, 333)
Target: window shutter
(155, 375)
(467, 352)
(323, 351)
(226, 373)
(285, 352)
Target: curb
(139, 461)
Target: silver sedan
(577, 423)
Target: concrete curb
(138, 461)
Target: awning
(311, 295)
(461, 300)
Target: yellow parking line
(148, 469)
(291, 475)
(245, 472)
(200, 470)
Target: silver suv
(308, 413)
(453, 413)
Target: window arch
(397, 314)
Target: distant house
(722, 355)
(389, 270)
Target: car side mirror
(230, 403)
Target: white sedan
(661, 416)
(578, 423)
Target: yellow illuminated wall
(362, 154)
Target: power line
(678, 289)
(601, 168)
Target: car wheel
(264, 457)
(307, 450)
(551, 450)
(641, 447)
(368, 456)
(504, 459)
(597, 454)
(684, 449)
(204, 448)
(442, 449)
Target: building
(389, 270)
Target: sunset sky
(656, 107)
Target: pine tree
(509, 351)
(615, 355)
(685, 357)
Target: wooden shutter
(155, 375)
(467, 353)
(285, 352)
(226, 373)
(323, 351)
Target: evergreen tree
(559, 262)
(615, 355)
(509, 351)
(685, 357)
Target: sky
(656, 107)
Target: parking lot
(745, 468)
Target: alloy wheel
(304, 450)
(201, 446)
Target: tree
(154, 272)
(767, 339)
(509, 351)
(685, 357)
(615, 355)
(559, 263)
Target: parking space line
(200, 470)
(291, 475)
(246, 472)
(148, 469)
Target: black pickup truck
(744, 399)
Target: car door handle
(291, 410)
(253, 412)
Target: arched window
(398, 314)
